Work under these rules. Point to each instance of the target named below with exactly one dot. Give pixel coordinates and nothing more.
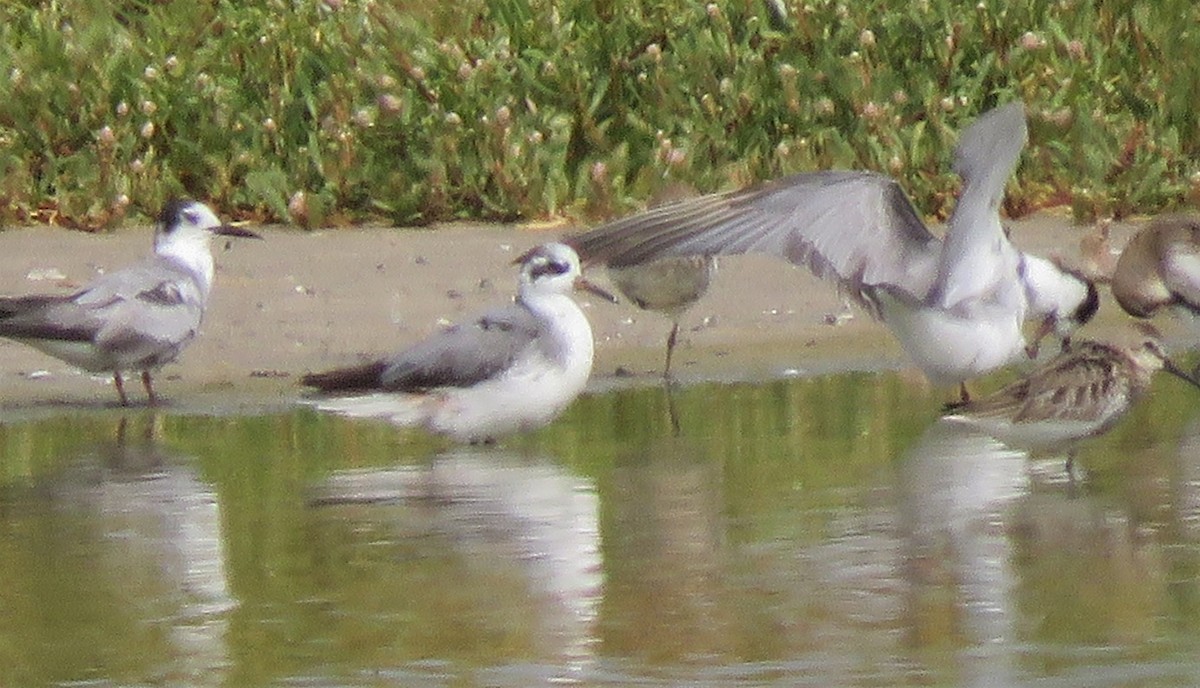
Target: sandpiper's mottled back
(1079, 394)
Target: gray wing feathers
(988, 151)
(358, 378)
(463, 355)
(150, 304)
(858, 228)
(27, 317)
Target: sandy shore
(302, 301)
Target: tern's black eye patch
(549, 267)
(172, 212)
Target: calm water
(814, 532)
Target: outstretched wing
(857, 228)
(978, 256)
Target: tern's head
(185, 222)
(1063, 299)
(554, 269)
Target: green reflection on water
(769, 527)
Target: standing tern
(956, 304)
(135, 319)
(510, 369)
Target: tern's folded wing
(465, 354)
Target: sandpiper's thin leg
(149, 385)
(671, 347)
(120, 385)
(672, 412)
(963, 395)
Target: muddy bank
(302, 301)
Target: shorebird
(956, 304)
(135, 319)
(510, 369)
(1080, 393)
(1159, 269)
(669, 286)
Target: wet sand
(302, 301)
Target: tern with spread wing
(510, 369)
(956, 304)
(135, 319)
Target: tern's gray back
(465, 354)
(141, 314)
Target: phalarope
(956, 304)
(138, 318)
(510, 369)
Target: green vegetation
(338, 111)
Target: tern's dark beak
(583, 284)
(230, 230)
(1044, 328)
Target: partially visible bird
(669, 286)
(1159, 269)
(1062, 308)
(135, 319)
(1078, 394)
(511, 369)
(956, 304)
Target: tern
(136, 319)
(511, 369)
(956, 304)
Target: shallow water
(815, 531)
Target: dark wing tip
(362, 377)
